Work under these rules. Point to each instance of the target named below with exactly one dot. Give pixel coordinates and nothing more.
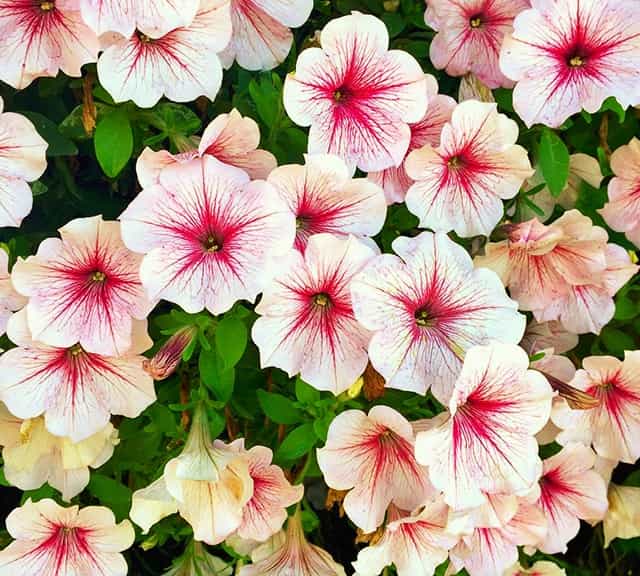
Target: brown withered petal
(373, 383)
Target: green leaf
(231, 340)
(214, 375)
(297, 443)
(612, 104)
(278, 407)
(113, 142)
(111, 493)
(554, 161)
(266, 93)
(321, 426)
(626, 309)
(616, 341)
(177, 119)
(305, 393)
(59, 145)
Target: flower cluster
(404, 322)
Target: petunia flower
(489, 551)
(570, 490)
(306, 322)
(208, 483)
(40, 38)
(209, 235)
(539, 264)
(371, 456)
(415, 545)
(427, 307)
(460, 184)
(540, 568)
(75, 390)
(289, 552)
(181, 65)
(83, 288)
(394, 180)
(165, 361)
(155, 18)
(10, 300)
(566, 56)
(613, 428)
(487, 443)
(323, 197)
(470, 34)
(22, 160)
(266, 511)
(357, 96)
(53, 540)
(623, 517)
(35, 456)
(231, 138)
(261, 31)
(622, 211)
(541, 335)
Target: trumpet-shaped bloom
(151, 17)
(427, 307)
(489, 551)
(570, 490)
(39, 38)
(261, 36)
(266, 512)
(289, 552)
(416, 545)
(357, 96)
(461, 183)
(165, 361)
(209, 235)
(487, 444)
(371, 455)
(613, 427)
(181, 65)
(622, 211)
(208, 483)
(566, 56)
(470, 35)
(306, 322)
(58, 541)
(22, 160)
(75, 390)
(230, 138)
(540, 568)
(539, 264)
(623, 517)
(84, 288)
(10, 300)
(324, 197)
(36, 456)
(394, 180)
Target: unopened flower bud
(166, 360)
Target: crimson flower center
(422, 317)
(211, 244)
(475, 21)
(322, 299)
(143, 37)
(76, 350)
(98, 277)
(576, 61)
(341, 94)
(47, 6)
(454, 162)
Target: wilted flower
(570, 490)
(209, 235)
(414, 544)
(288, 552)
(622, 211)
(371, 456)
(84, 288)
(230, 138)
(427, 307)
(261, 37)
(324, 197)
(306, 323)
(181, 65)
(75, 390)
(165, 361)
(470, 34)
(613, 427)
(487, 443)
(151, 17)
(34, 456)
(356, 94)
(53, 540)
(623, 517)
(22, 160)
(40, 38)
(394, 180)
(208, 483)
(566, 56)
(460, 184)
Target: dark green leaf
(111, 493)
(113, 142)
(213, 374)
(59, 145)
(554, 161)
(297, 443)
(231, 340)
(279, 408)
(305, 393)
